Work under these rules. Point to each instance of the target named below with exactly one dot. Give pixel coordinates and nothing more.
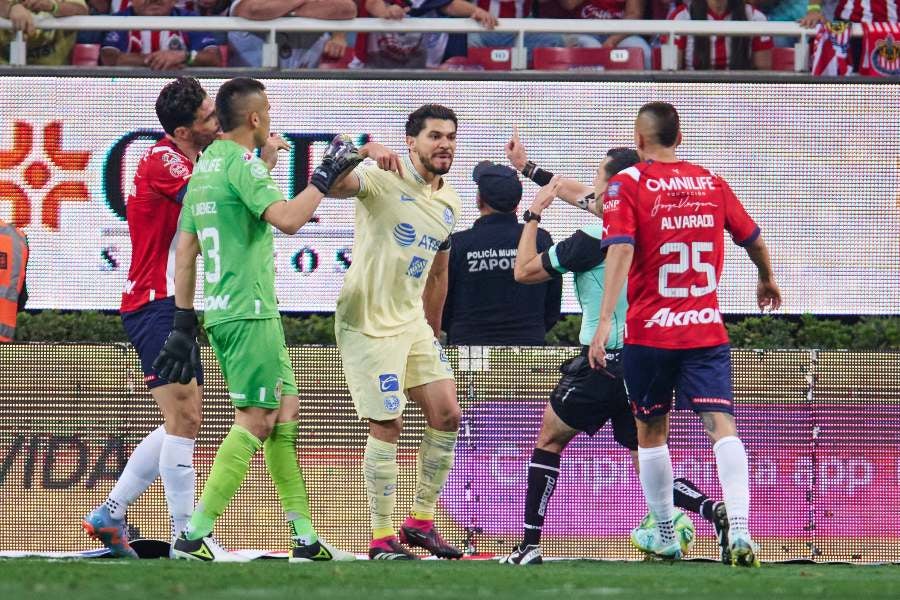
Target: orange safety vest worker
(13, 260)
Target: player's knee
(448, 418)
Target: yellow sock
(432, 468)
(380, 470)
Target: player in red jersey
(188, 117)
(664, 219)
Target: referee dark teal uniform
(485, 306)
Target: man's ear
(253, 119)
(181, 133)
(678, 140)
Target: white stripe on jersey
(632, 172)
(170, 267)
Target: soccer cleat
(389, 549)
(648, 541)
(206, 549)
(112, 533)
(524, 555)
(743, 550)
(317, 552)
(428, 539)
(720, 522)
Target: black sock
(543, 471)
(688, 497)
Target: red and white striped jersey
(152, 210)
(117, 5)
(719, 48)
(867, 11)
(602, 9)
(507, 9)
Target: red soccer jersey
(674, 214)
(507, 9)
(720, 49)
(154, 204)
(602, 9)
(867, 11)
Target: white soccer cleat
(523, 555)
(206, 549)
(318, 551)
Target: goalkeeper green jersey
(229, 190)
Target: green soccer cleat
(744, 551)
(318, 551)
(648, 541)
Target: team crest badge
(886, 56)
(448, 217)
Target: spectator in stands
(608, 9)
(412, 50)
(485, 306)
(212, 8)
(855, 11)
(512, 9)
(159, 50)
(783, 10)
(720, 52)
(43, 47)
(295, 50)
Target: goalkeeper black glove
(342, 156)
(180, 355)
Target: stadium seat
(610, 59)
(782, 59)
(86, 55)
(340, 63)
(480, 59)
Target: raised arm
(529, 267)
(569, 190)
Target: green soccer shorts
(254, 361)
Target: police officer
(485, 306)
(13, 258)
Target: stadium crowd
(171, 50)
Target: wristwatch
(530, 216)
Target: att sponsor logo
(665, 317)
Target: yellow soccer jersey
(401, 223)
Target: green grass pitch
(34, 579)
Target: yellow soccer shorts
(379, 370)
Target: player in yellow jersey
(389, 316)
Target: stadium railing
(518, 26)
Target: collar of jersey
(411, 169)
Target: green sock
(281, 459)
(228, 471)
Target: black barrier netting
(822, 430)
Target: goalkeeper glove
(342, 156)
(180, 355)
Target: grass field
(77, 580)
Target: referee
(485, 306)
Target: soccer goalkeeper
(229, 209)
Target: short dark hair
(416, 121)
(178, 102)
(620, 159)
(228, 99)
(668, 125)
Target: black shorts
(585, 399)
(147, 328)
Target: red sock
(381, 542)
